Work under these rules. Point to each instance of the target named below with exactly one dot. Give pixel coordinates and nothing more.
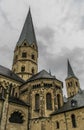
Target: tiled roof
(8, 73)
(42, 75)
(72, 103)
(28, 32)
(17, 101)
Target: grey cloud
(6, 56)
(78, 1)
(82, 23)
(46, 33)
(4, 16)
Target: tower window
(24, 54)
(76, 83)
(73, 119)
(25, 44)
(33, 56)
(33, 46)
(57, 125)
(32, 71)
(48, 101)
(22, 68)
(58, 100)
(37, 102)
(70, 84)
(16, 117)
(13, 92)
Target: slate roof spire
(70, 72)
(28, 32)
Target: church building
(32, 100)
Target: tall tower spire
(25, 62)
(72, 82)
(28, 32)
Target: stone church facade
(32, 100)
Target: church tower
(72, 82)
(25, 62)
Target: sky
(59, 28)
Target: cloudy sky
(59, 27)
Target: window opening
(48, 101)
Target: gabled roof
(8, 73)
(42, 75)
(28, 32)
(70, 72)
(72, 103)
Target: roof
(72, 103)
(42, 75)
(28, 32)
(70, 72)
(14, 100)
(17, 101)
(8, 73)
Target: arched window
(37, 102)
(73, 120)
(33, 56)
(13, 91)
(48, 101)
(22, 68)
(25, 44)
(58, 100)
(24, 54)
(57, 125)
(10, 90)
(33, 71)
(16, 95)
(16, 117)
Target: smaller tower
(72, 82)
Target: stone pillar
(4, 112)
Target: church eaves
(28, 32)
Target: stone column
(5, 111)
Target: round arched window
(22, 68)
(16, 117)
(33, 71)
(33, 56)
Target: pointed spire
(28, 33)
(70, 72)
(49, 71)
